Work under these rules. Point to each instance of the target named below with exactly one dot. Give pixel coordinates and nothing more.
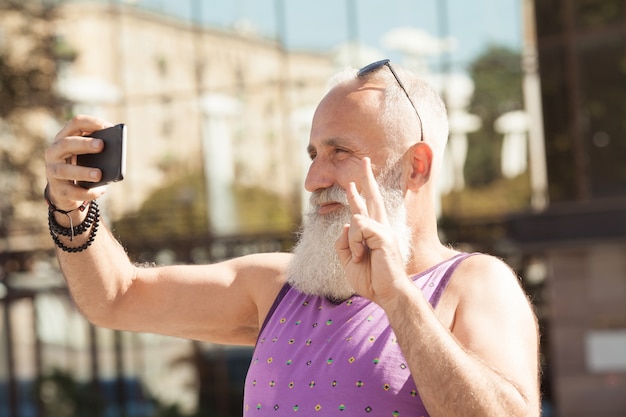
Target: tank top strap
(434, 281)
(281, 294)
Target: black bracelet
(92, 235)
(72, 230)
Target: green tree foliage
(497, 77)
(176, 210)
(498, 89)
(28, 109)
(63, 396)
(176, 215)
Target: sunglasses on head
(385, 63)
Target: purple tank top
(316, 358)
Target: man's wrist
(397, 299)
(62, 235)
(62, 216)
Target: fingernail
(96, 143)
(93, 174)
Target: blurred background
(218, 99)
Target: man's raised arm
(224, 303)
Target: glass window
(602, 66)
(595, 14)
(549, 16)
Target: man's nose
(319, 176)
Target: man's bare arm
(487, 365)
(224, 302)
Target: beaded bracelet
(91, 220)
(72, 230)
(94, 223)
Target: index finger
(356, 202)
(80, 125)
(371, 193)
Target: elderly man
(370, 315)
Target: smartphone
(111, 160)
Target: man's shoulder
(483, 264)
(481, 277)
(488, 280)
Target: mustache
(334, 194)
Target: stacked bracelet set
(90, 223)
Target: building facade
(193, 98)
(581, 236)
(226, 107)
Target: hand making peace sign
(367, 247)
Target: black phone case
(111, 160)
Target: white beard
(315, 268)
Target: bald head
(395, 113)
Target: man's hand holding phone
(72, 176)
(111, 161)
(85, 155)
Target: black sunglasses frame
(386, 63)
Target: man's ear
(417, 165)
